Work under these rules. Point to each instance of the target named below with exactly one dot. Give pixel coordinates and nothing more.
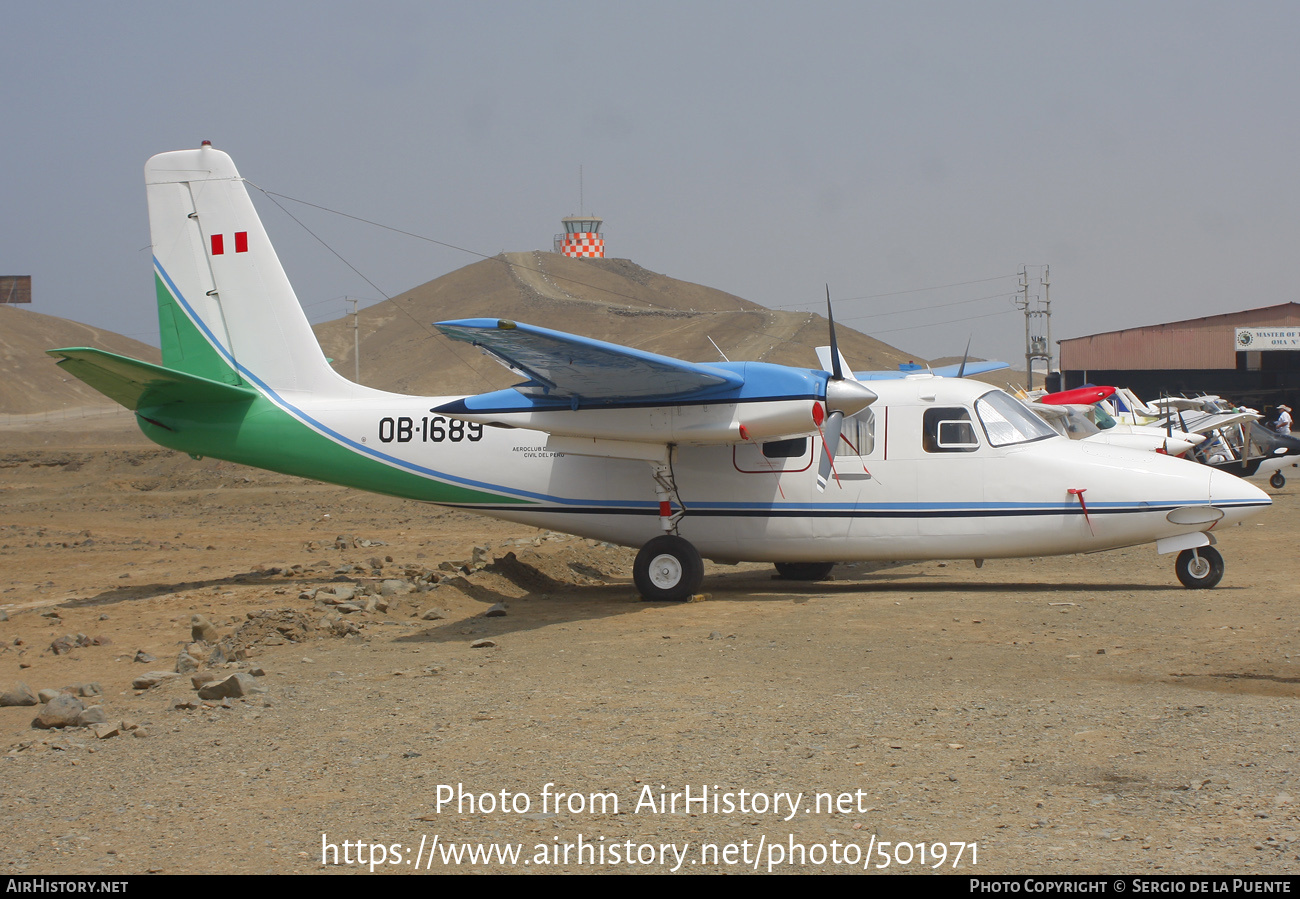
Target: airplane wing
(1186, 404)
(1057, 417)
(1213, 422)
(583, 388)
(1049, 413)
(955, 370)
(569, 366)
(943, 371)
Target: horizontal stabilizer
(137, 384)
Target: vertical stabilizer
(226, 309)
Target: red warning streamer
(1079, 492)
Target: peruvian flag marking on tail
(219, 243)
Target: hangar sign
(15, 288)
(1268, 338)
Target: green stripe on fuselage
(262, 435)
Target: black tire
(1199, 569)
(668, 569)
(804, 571)
(1277, 480)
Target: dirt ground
(1078, 714)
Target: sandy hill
(30, 382)
(609, 299)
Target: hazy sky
(1146, 151)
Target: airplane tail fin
(226, 310)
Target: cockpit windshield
(1007, 421)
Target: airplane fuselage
(900, 497)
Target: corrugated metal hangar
(1250, 357)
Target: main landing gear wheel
(1277, 480)
(1199, 568)
(668, 569)
(804, 571)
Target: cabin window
(858, 435)
(786, 449)
(949, 430)
(1007, 421)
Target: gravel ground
(1078, 714)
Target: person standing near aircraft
(1283, 423)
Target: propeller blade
(830, 443)
(843, 397)
(836, 371)
(824, 360)
(964, 356)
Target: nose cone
(1237, 498)
(848, 397)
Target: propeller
(844, 396)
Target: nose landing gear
(1199, 568)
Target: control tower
(581, 237)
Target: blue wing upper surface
(943, 371)
(567, 366)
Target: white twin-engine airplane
(733, 461)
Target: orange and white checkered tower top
(581, 237)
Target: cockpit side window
(948, 429)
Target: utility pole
(1047, 319)
(356, 337)
(1038, 321)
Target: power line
(949, 322)
(992, 296)
(638, 300)
(899, 293)
(272, 195)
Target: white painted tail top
(211, 250)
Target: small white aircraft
(1078, 415)
(731, 461)
(1236, 441)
